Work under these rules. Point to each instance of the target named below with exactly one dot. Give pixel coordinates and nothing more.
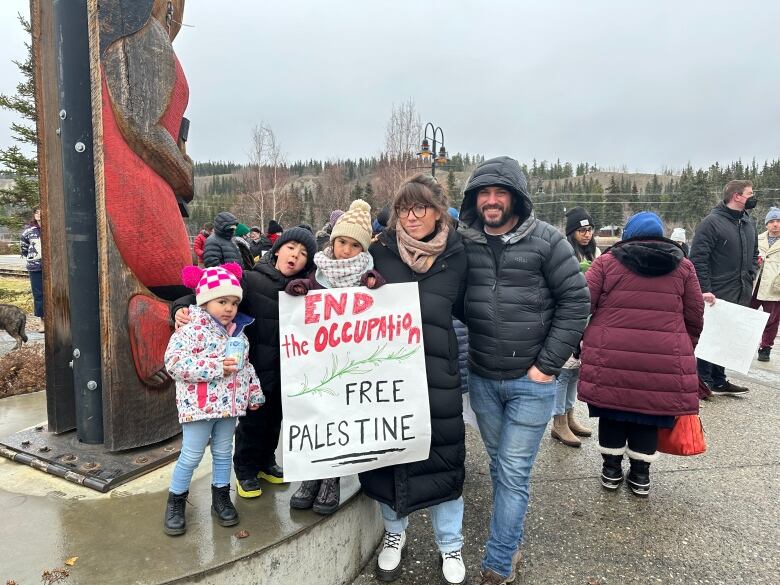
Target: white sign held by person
(354, 392)
(731, 335)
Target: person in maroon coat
(638, 367)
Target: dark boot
(222, 507)
(763, 354)
(303, 498)
(175, 522)
(327, 500)
(638, 478)
(612, 471)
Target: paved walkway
(711, 519)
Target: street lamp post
(426, 151)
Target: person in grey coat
(724, 252)
(526, 304)
(220, 248)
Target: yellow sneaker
(249, 488)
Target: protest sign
(731, 335)
(354, 389)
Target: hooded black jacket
(724, 252)
(414, 486)
(219, 248)
(531, 309)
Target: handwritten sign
(354, 389)
(731, 335)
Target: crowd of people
(549, 318)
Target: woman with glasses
(566, 428)
(421, 245)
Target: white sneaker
(388, 564)
(452, 567)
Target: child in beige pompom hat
(346, 262)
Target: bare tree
(402, 138)
(266, 179)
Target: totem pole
(115, 183)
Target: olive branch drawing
(359, 367)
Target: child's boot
(327, 500)
(638, 478)
(222, 507)
(304, 496)
(175, 522)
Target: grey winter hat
(774, 213)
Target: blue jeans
(512, 416)
(566, 390)
(447, 520)
(36, 284)
(195, 437)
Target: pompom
(234, 269)
(359, 204)
(190, 276)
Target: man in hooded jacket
(526, 305)
(724, 252)
(219, 248)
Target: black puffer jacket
(261, 287)
(724, 252)
(220, 248)
(532, 308)
(414, 486)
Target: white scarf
(332, 273)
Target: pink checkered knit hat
(212, 283)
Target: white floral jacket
(194, 359)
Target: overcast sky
(643, 84)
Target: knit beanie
(213, 283)
(774, 213)
(274, 227)
(297, 234)
(241, 230)
(334, 216)
(355, 224)
(576, 218)
(644, 224)
(678, 234)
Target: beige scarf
(419, 255)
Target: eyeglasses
(585, 230)
(418, 211)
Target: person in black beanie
(273, 231)
(579, 233)
(291, 257)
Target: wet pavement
(711, 519)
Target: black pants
(614, 434)
(36, 283)
(711, 374)
(257, 436)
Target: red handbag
(686, 437)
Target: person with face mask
(725, 253)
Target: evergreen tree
(456, 197)
(24, 194)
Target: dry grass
(22, 371)
(16, 291)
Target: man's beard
(505, 216)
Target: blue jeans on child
(512, 415)
(566, 390)
(195, 437)
(447, 520)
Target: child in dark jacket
(258, 433)
(215, 384)
(346, 262)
